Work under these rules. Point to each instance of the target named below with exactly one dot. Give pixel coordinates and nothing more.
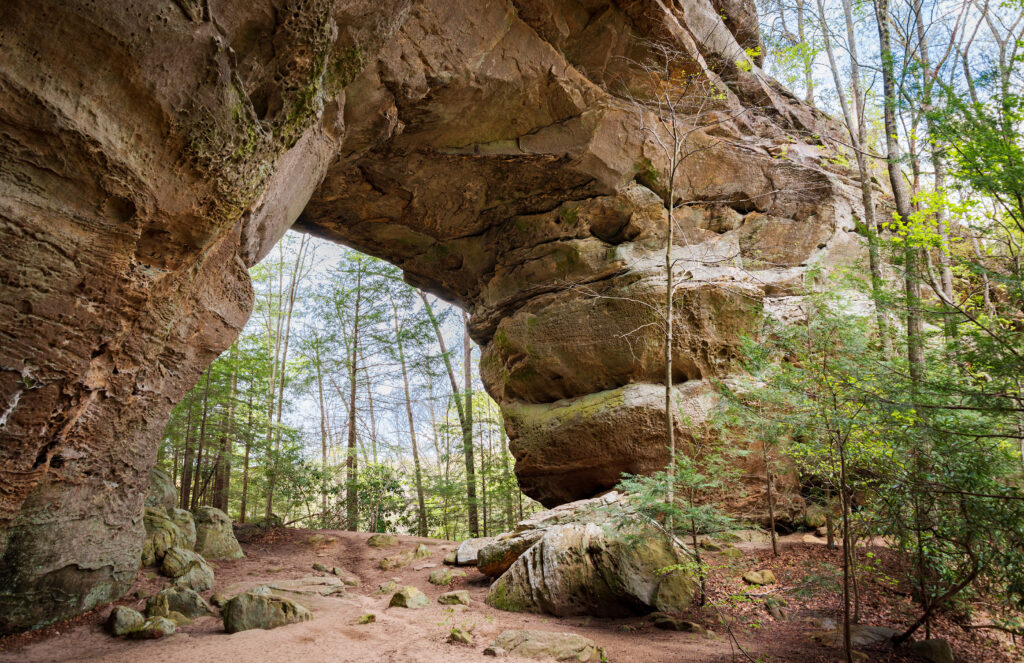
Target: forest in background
(267, 431)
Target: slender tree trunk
(352, 462)
(808, 70)
(417, 474)
(186, 465)
(465, 420)
(245, 466)
(323, 429)
(202, 439)
(911, 281)
(844, 510)
(509, 522)
(771, 497)
(467, 432)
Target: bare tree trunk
(417, 474)
(352, 462)
(808, 70)
(186, 465)
(771, 498)
(202, 439)
(467, 432)
(245, 466)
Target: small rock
(669, 623)
(409, 597)
(545, 644)
(382, 540)
(776, 608)
(250, 610)
(935, 650)
(459, 634)
(397, 561)
(321, 540)
(732, 553)
(496, 652)
(387, 587)
(322, 568)
(178, 618)
(182, 600)
(421, 551)
(123, 620)
(218, 600)
(445, 576)
(153, 629)
(350, 579)
(368, 618)
(711, 544)
(450, 557)
(764, 577)
(458, 597)
(467, 552)
(822, 532)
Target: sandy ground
(398, 634)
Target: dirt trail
(398, 634)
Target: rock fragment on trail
(670, 623)
(409, 597)
(123, 620)
(461, 635)
(545, 644)
(396, 561)
(421, 551)
(177, 599)
(153, 629)
(366, 619)
(457, 597)
(215, 539)
(445, 576)
(762, 577)
(251, 610)
(382, 540)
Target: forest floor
(806, 573)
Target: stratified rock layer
(154, 152)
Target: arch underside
(153, 151)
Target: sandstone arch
(152, 151)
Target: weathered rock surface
(409, 597)
(161, 534)
(250, 610)
(153, 629)
(547, 645)
(214, 537)
(445, 576)
(594, 562)
(466, 553)
(480, 146)
(123, 620)
(188, 569)
(162, 493)
(183, 600)
(382, 540)
(458, 597)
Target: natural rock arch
(152, 151)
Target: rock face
(589, 560)
(152, 154)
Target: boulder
(764, 577)
(347, 577)
(461, 635)
(497, 556)
(670, 623)
(153, 629)
(445, 576)
(182, 600)
(123, 620)
(594, 557)
(188, 569)
(450, 557)
(396, 561)
(214, 537)
(186, 525)
(934, 650)
(409, 597)
(547, 645)
(161, 493)
(382, 540)
(421, 551)
(814, 517)
(162, 533)
(466, 553)
(458, 597)
(258, 610)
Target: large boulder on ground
(396, 561)
(445, 576)
(214, 536)
(934, 650)
(188, 569)
(604, 561)
(161, 493)
(263, 610)
(183, 600)
(382, 540)
(547, 645)
(162, 533)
